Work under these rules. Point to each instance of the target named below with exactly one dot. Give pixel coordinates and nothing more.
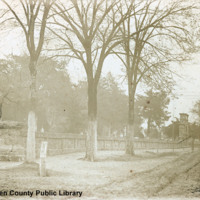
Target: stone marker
(43, 155)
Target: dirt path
(110, 166)
(112, 176)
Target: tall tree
(4, 66)
(154, 106)
(7, 83)
(53, 92)
(54, 88)
(33, 23)
(112, 104)
(160, 38)
(89, 32)
(77, 107)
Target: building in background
(183, 125)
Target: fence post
(43, 154)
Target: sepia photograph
(100, 99)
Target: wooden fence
(76, 143)
(66, 143)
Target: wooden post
(43, 154)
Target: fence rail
(66, 143)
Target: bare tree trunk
(31, 9)
(30, 149)
(91, 146)
(91, 140)
(32, 122)
(130, 140)
(130, 132)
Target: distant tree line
(62, 104)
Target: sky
(187, 89)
